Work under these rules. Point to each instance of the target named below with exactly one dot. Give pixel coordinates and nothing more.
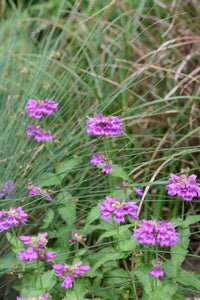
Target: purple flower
(104, 126)
(28, 254)
(138, 192)
(70, 272)
(13, 216)
(67, 283)
(36, 108)
(107, 169)
(34, 191)
(38, 135)
(156, 272)
(183, 187)
(45, 296)
(36, 246)
(152, 232)
(97, 160)
(8, 190)
(77, 238)
(48, 256)
(119, 210)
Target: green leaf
(128, 246)
(68, 213)
(48, 179)
(141, 272)
(178, 254)
(26, 292)
(191, 220)
(9, 261)
(16, 244)
(81, 287)
(65, 167)
(48, 219)
(189, 279)
(93, 215)
(48, 280)
(118, 171)
(122, 194)
(102, 257)
(123, 232)
(28, 281)
(118, 276)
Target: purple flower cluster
(38, 135)
(119, 210)
(45, 296)
(8, 191)
(36, 108)
(107, 169)
(10, 217)
(183, 187)
(77, 238)
(34, 191)
(156, 272)
(97, 160)
(151, 232)
(35, 250)
(70, 272)
(104, 126)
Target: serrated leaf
(93, 215)
(48, 179)
(118, 171)
(48, 219)
(123, 231)
(28, 281)
(189, 279)
(121, 194)
(27, 292)
(48, 280)
(66, 166)
(68, 213)
(8, 260)
(15, 242)
(178, 254)
(105, 255)
(118, 276)
(144, 278)
(191, 220)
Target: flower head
(36, 108)
(138, 192)
(45, 296)
(36, 249)
(104, 126)
(69, 272)
(151, 232)
(112, 206)
(183, 187)
(107, 169)
(37, 133)
(97, 160)
(156, 272)
(34, 191)
(13, 216)
(77, 238)
(8, 191)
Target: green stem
(15, 237)
(53, 160)
(107, 158)
(125, 264)
(75, 288)
(39, 272)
